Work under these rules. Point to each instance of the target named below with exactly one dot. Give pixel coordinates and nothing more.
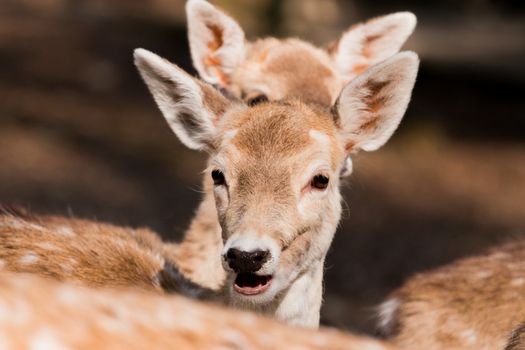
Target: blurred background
(80, 135)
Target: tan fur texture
(92, 253)
(37, 313)
(474, 303)
(198, 256)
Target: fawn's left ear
(191, 107)
(370, 108)
(216, 42)
(366, 44)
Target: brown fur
(284, 126)
(517, 338)
(474, 303)
(93, 253)
(39, 312)
(217, 37)
(198, 256)
(215, 105)
(299, 69)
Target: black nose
(241, 261)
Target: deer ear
(192, 108)
(366, 44)
(216, 42)
(370, 108)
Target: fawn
(273, 177)
(473, 303)
(272, 69)
(274, 174)
(38, 313)
(278, 69)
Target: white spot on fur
(265, 340)
(45, 339)
(29, 258)
(517, 282)
(36, 227)
(20, 313)
(67, 296)
(12, 223)
(165, 316)
(236, 338)
(115, 323)
(65, 231)
(228, 135)
(47, 246)
(500, 255)
(248, 319)
(386, 314)
(483, 274)
(348, 167)
(470, 336)
(320, 137)
(320, 340)
(4, 341)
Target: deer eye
(320, 182)
(257, 99)
(218, 177)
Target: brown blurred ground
(79, 134)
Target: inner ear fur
(370, 108)
(371, 42)
(216, 42)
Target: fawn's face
(275, 167)
(276, 187)
(276, 69)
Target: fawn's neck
(198, 256)
(300, 305)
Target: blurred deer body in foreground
(37, 313)
(272, 69)
(474, 303)
(88, 252)
(273, 174)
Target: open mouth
(251, 284)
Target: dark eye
(218, 177)
(320, 182)
(257, 99)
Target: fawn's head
(276, 69)
(274, 168)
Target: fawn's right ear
(216, 42)
(371, 106)
(191, 107)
